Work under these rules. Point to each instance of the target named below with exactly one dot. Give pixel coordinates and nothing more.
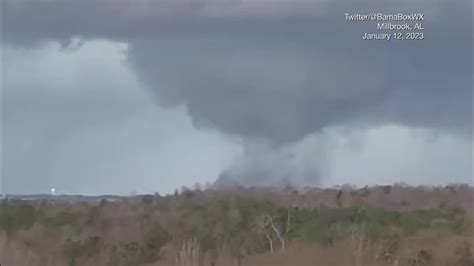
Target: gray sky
(105, 96)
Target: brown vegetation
(385, 225)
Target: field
(382, 225)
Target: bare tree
(281, 232)
(276, 231)
(189, 253)
(262, 227)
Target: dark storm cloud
(277, 71)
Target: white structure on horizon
(53, 191)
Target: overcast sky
(103, 96)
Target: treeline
(197, 227)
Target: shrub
(386, 189)
(317, 231)
(61, 218)
(155, 239)
(130, 254)
(17, 217)
(74, 250)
